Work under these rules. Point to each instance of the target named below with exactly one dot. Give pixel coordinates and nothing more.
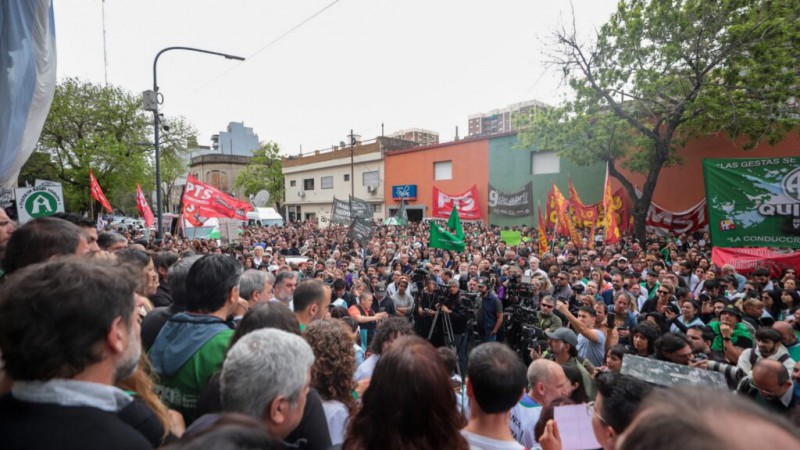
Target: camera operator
(545, 319)
(452, 306)
(491, 317)
(424, 310)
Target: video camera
(520, 290)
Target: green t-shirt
(181, 391)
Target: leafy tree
(176, 145)
(264, 172)
(663, 71)
(97, 127)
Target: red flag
(141, 205)
(201, 202)
(544, 247)
(97, 191)
(612, 227)
(565, 218)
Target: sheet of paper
(575, 427)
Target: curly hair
(334, 363)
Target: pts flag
(144, 209)
(201, 202)
(97, 191)
(753, 202)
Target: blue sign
(404, 191)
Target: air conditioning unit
(301, 193)
(372, 189)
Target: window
(369, 178)
(545, 162)
(443, 170)
(326, 182)
(218, 179)
(293, 183)
(376, 208)
(347, 177)
(308, 184)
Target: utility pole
(352, 179)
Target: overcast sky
(359, 63)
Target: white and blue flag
(27, 80)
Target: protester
(192, 344)
(546, 382)
(411, 385)
(266, 376)
(42, 239)
(496, 380)
(64, 394)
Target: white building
(313, 180)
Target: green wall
(510, 168)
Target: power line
(268, 45)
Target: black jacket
(32, 426)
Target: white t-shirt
(338, 416)
(478, 442)
(366, 368)
(524, 416)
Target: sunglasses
(664, 292)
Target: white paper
(575, 427)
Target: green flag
(454, 223)
(441, 238)
(753, 202)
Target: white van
(263, 217)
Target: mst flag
(564, 216)
(97, 191)
(612, 227)
(753, 202)
(441, 238)
(544, 247)
(144, 209)
(201, 202)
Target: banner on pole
(201, 202)
(511, 204)
(466, 203)
(753, 202)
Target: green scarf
(739, 331)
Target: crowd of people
(298, 337)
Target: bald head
(547, 381)
(788, 338)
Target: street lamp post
(153, 106)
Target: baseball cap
(380, 288)
(563, 334)
(482, 281)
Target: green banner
(753, 202)
(512, 238)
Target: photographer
(424, 310)
(546, 320)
